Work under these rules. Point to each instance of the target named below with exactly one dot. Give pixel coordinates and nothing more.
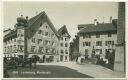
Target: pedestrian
(98, 59)
(76, 58)
(34, 61)
(111, 59)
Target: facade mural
(37, 36)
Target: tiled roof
(34, 24)
(33, 19)
(101, 27)
(10, 34)
(62, 30)
(7, 30)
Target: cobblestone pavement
(95, 71)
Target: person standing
(111, 59)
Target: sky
(61, 13)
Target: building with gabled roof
(64, 43)
(34, 36)
(91, 28)
(98, 37)
(40, 18)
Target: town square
(64, 40)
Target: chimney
(95, 22)
(110, 19)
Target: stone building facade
(64, 43)
(97, 38)
(36, 36)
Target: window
(86, 43)
(99, 43)
(109, 35)
(53, 43)
(39, 32)
(5, 49)
(112, 42)
(40, 49)
(86, 36)
(39, 41)
(97, 35)
(109, 43)
(62, 51)
(46, 33)
(66, 51)
(53, 50)
(66, 39)
(66, 58)
(33, 48)
(86, 51)
(42, 32)
(20, 48)
(106, 43)
(61, 44)
(66, 45)
(61, 38)
(100, 51)
(47, 50)
(46, 27)
(21, 35)
(46, 42)
(49, 35)
(33, 40)
(15, 48)
(10, 48)
(14, 40)
(52, 35)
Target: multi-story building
(64, 43)
(35, 36)
(97, 37)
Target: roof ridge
(63, 28)
(98, 28)
(43, 15)
(40, 14)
